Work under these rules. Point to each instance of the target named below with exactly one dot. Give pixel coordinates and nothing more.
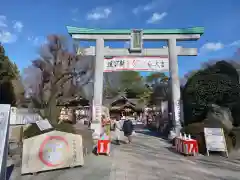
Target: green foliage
(131, 81)
(157, 83)
(217, 84)
(7, 69)
(9, 80)
(156, 78)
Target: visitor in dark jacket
(128, 129)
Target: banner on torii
(127, 63)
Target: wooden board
(15, 133)
(53, 150)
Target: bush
(217, 84)
(33, 130)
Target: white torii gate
(136, 51)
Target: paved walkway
(151, 158)
(148, 158)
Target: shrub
(217, 84)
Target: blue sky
(25, 24)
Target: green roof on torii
(192, 30)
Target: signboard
(164, 109)
(156, 64)
(4, 130)
(136, 40)
(215, 140)
(15, 133)
(44, 125)
(22, 116)
(53, 150)
(13, 116)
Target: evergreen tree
(8, 74)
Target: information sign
(215, 140)
(22, 116)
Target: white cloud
(216, 46)
(37, 40)
(235, 43)
(75, 20)
(75, 10)
(18, 26)
(99, 13)
(212, 46)
(3, 21)
(156, 17)
(146, 7)
(7, 37)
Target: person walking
(118, 129)
(128, 129)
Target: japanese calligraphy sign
(159, 64)
(53, 150)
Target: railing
(4, 131)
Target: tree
(156, 78)
(129, 82)
(217, 84)
(10, 84)
(52, 75)
(158, 83)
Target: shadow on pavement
(173, 150)
(114, 142)
(151, 133)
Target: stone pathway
(151, 158)
(148, 158)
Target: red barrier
(103, 147)
(186, 146)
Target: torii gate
(137, 54)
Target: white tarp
(159, 64)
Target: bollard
(185, 136)
(180, 136)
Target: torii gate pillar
(169, 35)
(175, 84)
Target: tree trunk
(52, 111)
